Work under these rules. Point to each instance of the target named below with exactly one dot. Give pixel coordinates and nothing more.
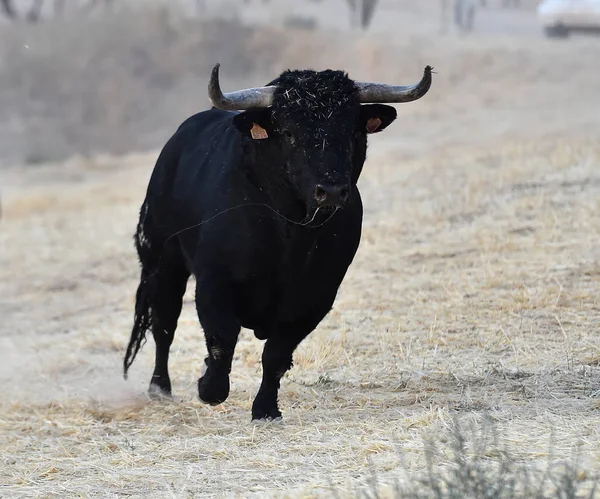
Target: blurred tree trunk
(8, 9)
(33, 15)
(464, 14)
(35, 12)
(362, 12)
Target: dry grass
(473, 293)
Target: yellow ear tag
(258, 132)
(373, 124)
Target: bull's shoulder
(202, 135)
(192, 140)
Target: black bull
(262, 207)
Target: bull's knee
(276, 363)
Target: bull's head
(315, 125)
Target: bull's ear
(255, 123)
(376, 117)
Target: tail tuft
(141, 324)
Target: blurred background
(475, 287)
(93, 76)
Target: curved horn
(249, 98)
(380, 92)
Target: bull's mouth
(319, 216)
(328, 209)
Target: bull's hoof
(160, 388)
(265, 413)
(213, 390)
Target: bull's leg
(167, 298)
(221, 329)
(276, 361)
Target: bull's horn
(249, 98)
(380, 92)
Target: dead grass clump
(474, 291)
(472, 462)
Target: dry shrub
(472, 461)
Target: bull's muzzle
(331, 195)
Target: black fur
(244, 216)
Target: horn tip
(214, 89)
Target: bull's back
(190, 172)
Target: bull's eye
(288, 135)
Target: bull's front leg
(276, 361)
(221, 329)
(277, 358)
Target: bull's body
(281, 274)
(268, 223)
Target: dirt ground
(474, 293)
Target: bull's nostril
(331, 195)
(320, 193)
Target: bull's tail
(141, 324)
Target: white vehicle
(561, 17)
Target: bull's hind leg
(158, 299)
(168, 290)
(221, 329)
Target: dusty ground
(474, 292)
